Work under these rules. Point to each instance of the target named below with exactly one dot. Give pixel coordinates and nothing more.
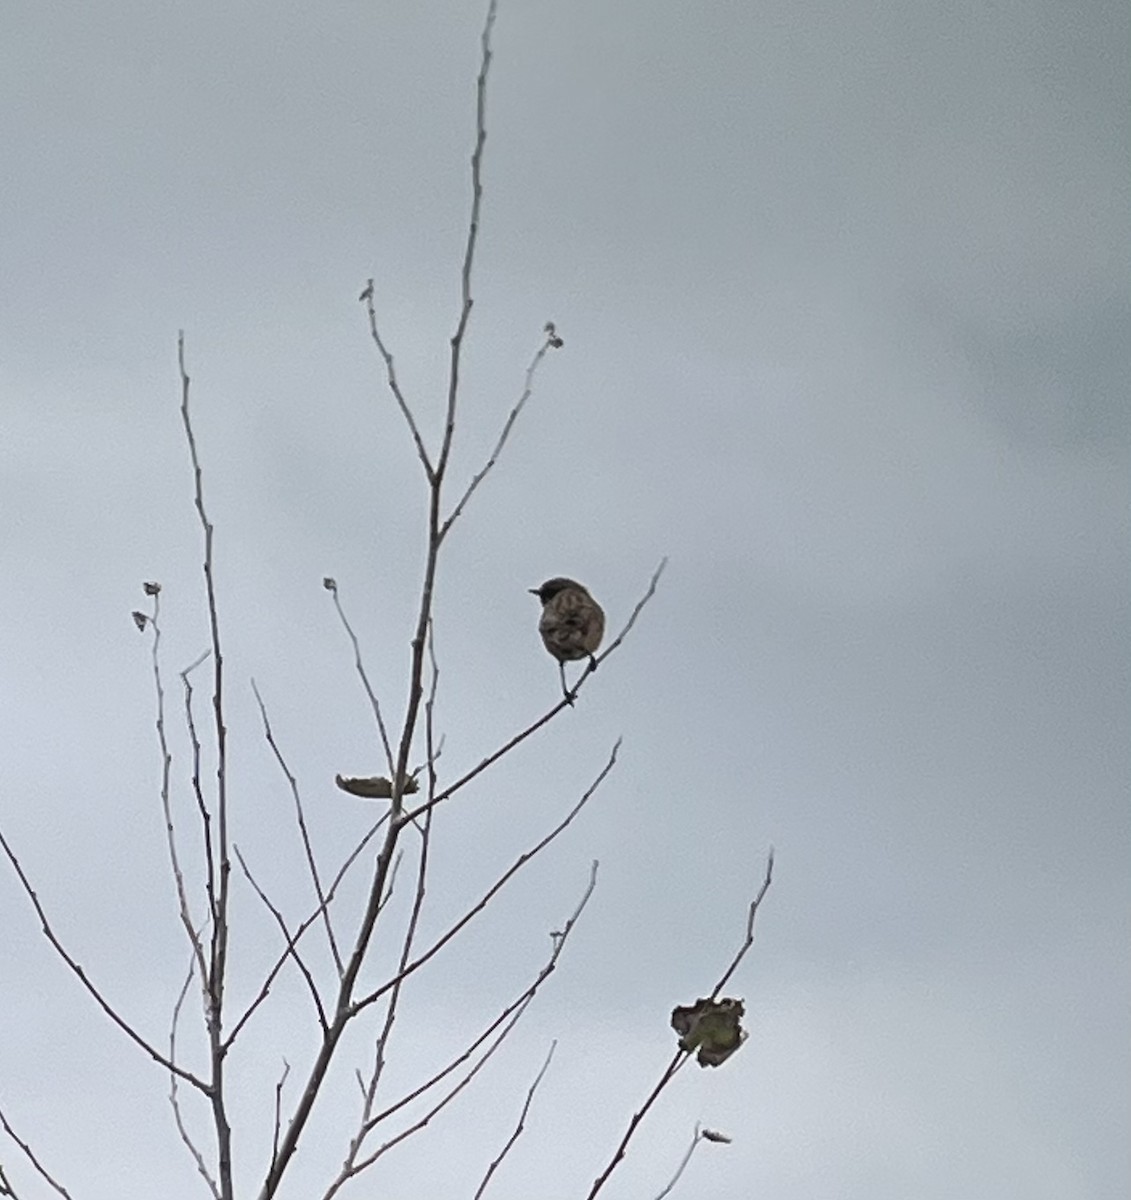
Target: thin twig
(496, 887)
(84, 979)
(358, 1167)
(551, 340)
(516, 1007)
(198, 793)
(332, 587)
(300, 817)
(752, 912)
(290, 941)
(520, 1125)
(29, 1154)
(421, 879)
(184, 910)
(682, 1057)
(670, 1070)
(651, 591)
(511, 1015)
(365, 1163)
(369, 1089)
(218, 958)
(469, 251)
(696, 1138)
(279, 1110)
(394, 386)
(174, 1098)
(303, 926)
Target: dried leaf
(713, 1027)
(713, 1135)
(373, 787)
(151, 589)
(140, 619)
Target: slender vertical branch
(174, 1091)
(332, 587)
(472, 239)
(184, 910)
(218, 958)
(520, 1125)
(346, 1007)
(198, 794)
(751, 915)
(279, 1109)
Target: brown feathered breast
(572, 623)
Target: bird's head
(548, 590)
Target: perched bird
(572, 624)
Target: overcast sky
(845, 292)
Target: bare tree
(414, 792)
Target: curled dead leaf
(373, 787)
(713, 1027)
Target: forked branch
(681, 1057)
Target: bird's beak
(535, 591)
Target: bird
(572, 624)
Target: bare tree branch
(468, 256)
(369, 1092)
(495, 888)
(551, 340)
(696, 1138)
(670, 1070)
(279, 1110)
(520, 1125)
(29, 1154)
(516, 1007)
(681, 1057)
(174, 1097)
(357, 1167)
(304, 925)
(300, 817)
(198, 793)
(345, 1009)
(332, 587)
(364, 1164)
(184, 909)
(218, 958)
(84, 979)
(394, 386)
(649, 593)
(288, 938)
(750, 916)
